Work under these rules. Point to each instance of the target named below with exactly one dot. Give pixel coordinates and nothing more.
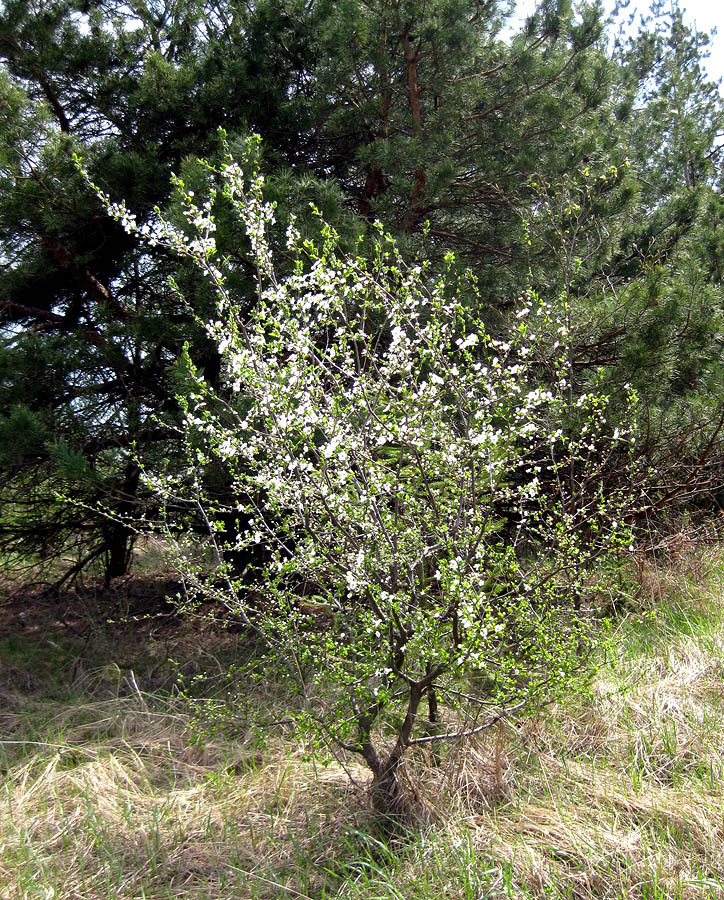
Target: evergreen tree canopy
(545, 159)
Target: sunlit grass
(111, 789)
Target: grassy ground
(115, 784)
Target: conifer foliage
(458, 135)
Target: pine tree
(90, 324)
(424, 115)
(669, 263)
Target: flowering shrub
(432, 509)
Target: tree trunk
(391, 798)
(120, 537)
(414, 211)
(119, 550)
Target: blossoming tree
(430, 498)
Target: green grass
(117, 785)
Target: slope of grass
(113, 785)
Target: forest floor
(129, 767)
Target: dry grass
(147, 812)
(618, 795)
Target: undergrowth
(122, 780)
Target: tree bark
(389, 796)
(375, 182)
(119, 537)
(414, 209)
